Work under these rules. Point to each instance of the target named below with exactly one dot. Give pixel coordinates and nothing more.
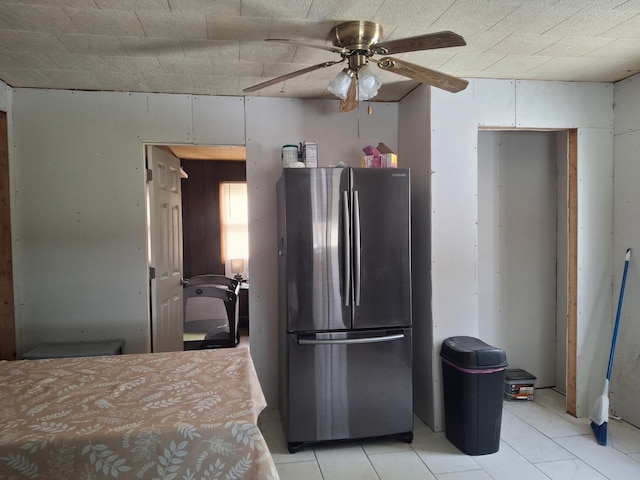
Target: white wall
(6, 105)
(79, 223)
(79, 228)
(6, 99)
(455, 120)
(415, 152)
(625, 389)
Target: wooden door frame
(7, 313)
(572, 270)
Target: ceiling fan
(357, 42)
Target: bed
(177, 415)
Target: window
(234, 221)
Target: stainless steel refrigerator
(344, 274)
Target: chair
(211, 310)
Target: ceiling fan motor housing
(356, 35)
(357, 60)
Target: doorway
(525, 251)
(204, 168)
(204, 224)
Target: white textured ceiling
(216, 47)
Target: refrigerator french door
(345, 303)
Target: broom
(600, 413)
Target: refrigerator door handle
(346, 247)
(356, 246)
(350, 341)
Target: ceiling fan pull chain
(358, 107)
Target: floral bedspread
(179, 415)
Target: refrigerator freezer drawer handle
(351, 341)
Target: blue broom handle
(615, 329)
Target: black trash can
(473, 380)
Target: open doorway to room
(211, 207)
(526, 248)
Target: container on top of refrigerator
(310, 153)
(289, 155)
(379, 157)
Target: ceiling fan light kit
(357, 42)
(367, 80)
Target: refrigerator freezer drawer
(344, 385)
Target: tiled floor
(538, 441)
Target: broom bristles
(600, 432)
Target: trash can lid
(470, 352)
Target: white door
(165, 235)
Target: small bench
(74, 349)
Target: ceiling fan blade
(428, 41)
(282, 78)
(329, 48)
(422, 74)
(351, 102)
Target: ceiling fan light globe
(368, 83)
(339, 86)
